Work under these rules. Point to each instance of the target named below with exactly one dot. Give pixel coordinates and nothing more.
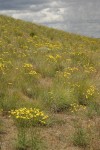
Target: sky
(77, 16)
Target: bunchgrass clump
(29, 139)
(80, 137)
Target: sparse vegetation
(54, 72)
(80, 137)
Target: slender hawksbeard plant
(25, 119)
(80, 137)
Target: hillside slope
(48, 69)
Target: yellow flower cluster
(69, 71)
(67, 74)
(32, 72)
(2, 66)
(58, 56)
(75, 107)
(73, 69)
(30, 66)
(89, 69)
(29, 69)
(5, 65)
(35, 115)
(75, 85)
(51, 57)
(55, 59)
(41, 42)
(90, 91)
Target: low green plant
(36, 143)
(93, 110)
(29, 139)
(80, 137)
(21, 141)
(58, 99)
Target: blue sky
(78, 16)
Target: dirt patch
(57, 136)
(9, 136)
(46, 82)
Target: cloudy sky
(78, 16)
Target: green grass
(48, 69)
(80, 138)
(30, 140)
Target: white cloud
(52, 13)
(79, 16)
